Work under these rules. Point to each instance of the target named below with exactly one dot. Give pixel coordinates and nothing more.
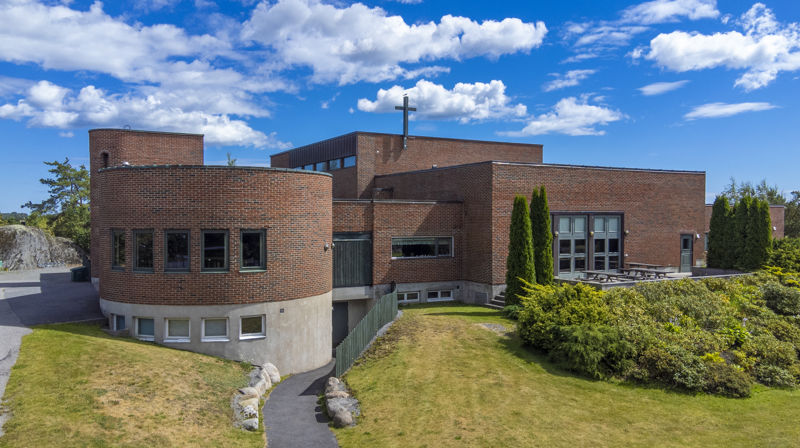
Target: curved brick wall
(294, 207)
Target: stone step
(493, 306)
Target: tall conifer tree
(542, 236)
(720, 244)
(520, 261)
(741, 218)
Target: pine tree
(719, 235)
(759, 233)
(542, 236)
(520, 261)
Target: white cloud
(569, 79)
(465, 102)
(717, 110)
(571, 116)
(766, 48)
(49, 105)
(657, 88)
(66, 134)
(357, 43)
(661, 11)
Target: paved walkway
(292, 417)
(37, 297)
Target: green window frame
(177, 253)
(212, 262)
(247, 255)
(118, 254)
(143, 251)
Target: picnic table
(605, 276)
(634, 264)
(647, 273)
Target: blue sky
(670, 84)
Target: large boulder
(272, 372)
(23, 247)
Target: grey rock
(253, 402)
(272, 372)
(263, 386)
(249, 412)
(343, 418)
(251, 424)
(248, 392)
(334, 385)
(336, 394)
(23, 247)
(348, 404)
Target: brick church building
(279, 263)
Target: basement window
(145, 328)
(118, 250)
(252, 327)
(178, 330)
(215, 330)
(422, 247)
(408, 297)
(176, 243)
(445, 295)
(143, 250)
(253, 250)
(215, 250)
(118, 322)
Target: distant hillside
(24, 248)
(13, 216)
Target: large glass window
(177, 250)
(252, 327)
(145, 328)
(118, 249)
(422, 247)
(349, 161)
(321, 166)
(334, 164)
(178, 330)
(143, 250)
(253, 250)
(215, 250)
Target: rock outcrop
(23, 247)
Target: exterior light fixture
(555, 234)
(627, 231)
(774, 228)
(327, 246)
(591, 233)
(697, 235)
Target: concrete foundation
(298, 332)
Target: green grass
(437, 378)
(75, 386)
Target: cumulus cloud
(766, 48)
(569, 79)
(657, 88)
(50, 105)
(661, 11)
(465, 102)
(359, 43)
(717, 110)
(571, 116)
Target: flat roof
(215, 167)
(141, 131)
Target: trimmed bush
(724, 379)
(519, 263)
(597, 351)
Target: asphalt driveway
(36, 297)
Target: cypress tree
(741, 219)
(759, 233)
(520, 262)
(720, 238)
(542, 236)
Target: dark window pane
(613, 263)
(565, 246)
(564, 264)
(444, 247)
(252, 325)
(310, 166)
(413, 247)
(177, 250)
(600, 263)
(580, 246)
(580, 264)
(215, 248)
(118, 249)
(321, 166)
(177, 328)
(600, 246)
(335, 164)
(253, 250)
(145, 327)
(613, 245)
(349, 161)
(144, 250)
(119, 322)
(686, 244)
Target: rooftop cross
(405, 110)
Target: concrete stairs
(498, 302)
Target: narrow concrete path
(292, 417)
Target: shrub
(767, 350)
(512, 311)
(774, 376)
(597, 351)
(785, 253)
(519, 263)
(726, 380)
(782, 299)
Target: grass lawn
(75, 386)
(437, 378)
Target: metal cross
(405, 110)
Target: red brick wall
(136, 148)
(776, 216)
(293, 207)
(352, 216)
(345, 182)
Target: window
(177, 330)
(440, 296)
(310, 166)
(321, 166)
(143, 250)
(105, 160)
(705, 242)
(118, 249)
(408, 297)
(215, 250)
(252, 327)
(347, 162)
(253, 250)
(177, 250)
(422, 247)
(118, 321)
(335, 164)
(215, 330)
(145, 328)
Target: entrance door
(686, 253)
(339, 322)
(571, 245)
(352, 259)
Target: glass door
(606, 241)
(571, 245)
